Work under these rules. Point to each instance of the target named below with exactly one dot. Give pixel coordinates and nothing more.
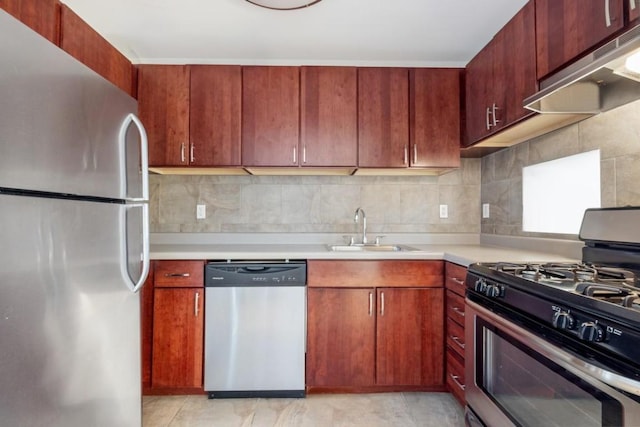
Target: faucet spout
(356, 218)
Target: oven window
(533, 391)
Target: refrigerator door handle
(132, 284)
(144, 159)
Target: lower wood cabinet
(173, 328)
(379, 337)
(455, 276)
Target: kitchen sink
(369, 248)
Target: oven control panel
(488, 288)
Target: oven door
(516, 378)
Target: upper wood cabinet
(40, 15)
(383, 117)
(87, 46)
(500, 77)
(567, 28)
(434, 106)
(270, 116)
(192, 114)
(329, 111)
(215, 115)
(163, 106)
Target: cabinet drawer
(369, 273)
(455, 307)
(455, 337)
(455, 276)
(455, 375)
(172, 274)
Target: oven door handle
(566, 360)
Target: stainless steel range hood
(596, 83)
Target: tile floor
(317, 410)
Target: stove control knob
(591, 331)
(563, 320)
(480, 285)
(494, 291)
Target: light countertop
(463, 254)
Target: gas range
(595, 301)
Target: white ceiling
(333, 32)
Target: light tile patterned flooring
(316, 410)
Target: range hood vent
(598, 82)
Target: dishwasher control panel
(223, 274)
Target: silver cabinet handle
(458, 311)
(415, 154)
(182, 159)
(487, 118)
(370, 303)
(196, 304)
(381, 303)
(191, 156)
(458, 281)
(455, 380)
(405, 159)
(457, 341)
(632, 4)
(304, 154)
(177, 275)
(607, 14)
(295, 155)
(495, 121)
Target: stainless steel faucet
(356, 218)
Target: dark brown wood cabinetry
(163, 106)
(383, 117)
(174, 363)
(455, 276)
(40, 15)
(192, 114)
(565, 29)
(434, 120)
(634, 11)
(215, 115)
(270, 116)
(384, 332)
(329, 111)
(500, 77)
(82, 42)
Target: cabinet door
(39, 15)
(567, 28)
(270, 116)
(518, 53)
(410, 337)
(340, 337)
(215, 115)
(435, 117)
(163, 105)
(329, 116)
(82, 42)
(177, 337)
(383, 117)
(146, 328)
(479, 87)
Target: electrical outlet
(444, 211)
(201, 211)
(486, 211)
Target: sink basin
(369, 248)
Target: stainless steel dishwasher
(255, 329)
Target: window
(555, 194)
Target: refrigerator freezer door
(61, 119)
(69, 325)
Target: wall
(318, 203)
(616, 133)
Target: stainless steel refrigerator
(74, 236)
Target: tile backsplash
(616, 133)
(318, 204)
